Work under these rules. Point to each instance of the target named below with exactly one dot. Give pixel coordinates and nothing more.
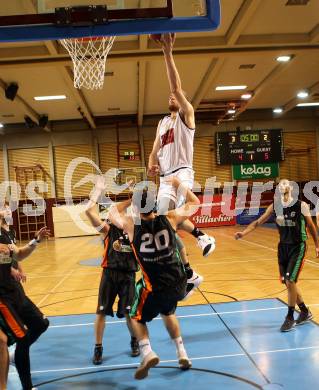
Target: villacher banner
(210, 213)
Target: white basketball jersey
(177, 145)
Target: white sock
(145, 347)
(180, 349)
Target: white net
(89, 57)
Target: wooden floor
(241, 270)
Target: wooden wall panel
(300, 156)
(63, 155)
(108, 156)
(27, 158)
(1, 166)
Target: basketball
(156, 37)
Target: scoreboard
(245, 147)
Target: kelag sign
(255, 171)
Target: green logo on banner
(255, 171)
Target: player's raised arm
(312, 229)
(20, 254)
(190, 207)
(119, 219)
(174, 80)
(94, 218)
(253, 225)
(153, 164)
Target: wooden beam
(53, 49)
(275, 72)
(151, 55)
(245, 13)
(142, 66)
(68, 78)
(209, 78)
(294, 101)
(143, 39)
(314, 34)
(78, 95)
(25, 107)
(29, 6)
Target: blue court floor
(234, 345)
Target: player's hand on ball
(317, 252)
(153, 170)
(239, 235)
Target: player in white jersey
(172, 155)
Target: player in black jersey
(20, 320)
(7, 229)
(164, 279)
(292, 216)
(4, 355)
(118, 279)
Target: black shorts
(148, 305)
(291, 259)
(17, 317)
(116, 283)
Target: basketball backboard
(57, 19)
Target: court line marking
(197, 264)
(236, 261)
(312, 347)
(54, 288)
(313, 263)
(182, 316)
(51, 275)
(60, 275)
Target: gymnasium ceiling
(253, 33)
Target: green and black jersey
(290, 222)
(154, 245)
(121, 261)
(7, 284)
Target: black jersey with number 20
(154, 245)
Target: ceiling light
(247, 96)
(303, 94)
(54, 97)
(231, 87)
(231, 111)
(1, 125)
(314, 104)
(277, 110)
(283, 58)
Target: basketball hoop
(89, 57)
